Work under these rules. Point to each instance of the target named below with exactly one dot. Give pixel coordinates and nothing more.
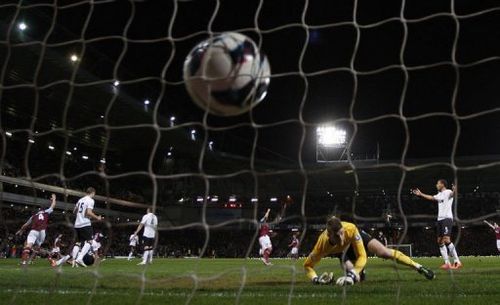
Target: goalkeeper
(343, 240)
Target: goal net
(367, 101)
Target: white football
(227, 75)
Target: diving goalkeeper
(343, 240)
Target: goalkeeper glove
(350, 278)
(324, 279)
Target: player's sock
(444, 253)
(145, 256)
(74, 252)
(130, 255)
(401, 258)
(150, 256)
(84, 251)
(26, 254)
(62, 260)
(266, 255)
(453, 252)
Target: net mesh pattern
(163, 81)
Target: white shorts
(294, 251)
(498, 244)
(36, 237)
(55, 250)
(132, 244)
(265, 243)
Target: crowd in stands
(228, 242)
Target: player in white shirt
(83, 227)
(134, 240)
(149, 222)
(444, 199)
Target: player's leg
(132, 250)
(28, 246)
(147, 250)
(442, 247)
(376, 247)
(447, 228)
(86, 234)
(62, 260)
(453, 252)
(151, 244)
(76, 247)
(266, 249)
(498, 245)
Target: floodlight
(22, 26)
(331, 136)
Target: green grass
(246, 282)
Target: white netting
(320, 47)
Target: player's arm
(139, 228)
(352, 276)
(52, 204)
(24, 226)
(418, 193)
(90, 213)
(311, 261)
(453, 190)
(489, 224)
(266, 216)
(360, 251)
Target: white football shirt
(445, 202)
(150, 223)
(81, 207)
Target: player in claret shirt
(38, 224)
(294, 245)
(266, 246)
(495, 228)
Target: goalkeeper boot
(428, 273)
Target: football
(227, 75)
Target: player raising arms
(84, 234)
(266, 246)
(495, 228)
(344, 240)
(38, 223)
(444, 199)
(294, 245)
(149, 222)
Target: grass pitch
(238, 281)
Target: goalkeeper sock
(453, 252)
(444, 253)
(75, 251)
(402, 259)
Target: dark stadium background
(46, 113)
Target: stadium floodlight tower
(331, 142)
